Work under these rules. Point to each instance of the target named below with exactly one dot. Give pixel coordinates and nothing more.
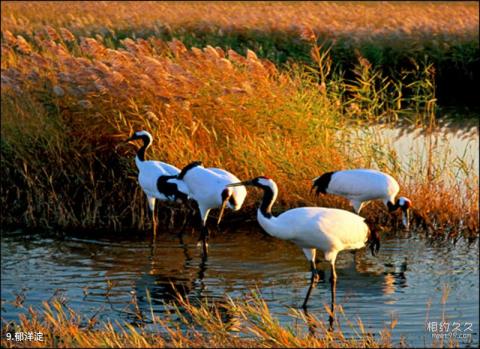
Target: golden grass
(243, 323)
(219, 107)
(390, 34)
(402, 21)
(66, 107)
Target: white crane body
(157, 179)
(208, 188)
(362, 185)
(329, 230)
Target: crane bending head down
(362, 185)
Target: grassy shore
(245, 323)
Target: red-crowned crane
(362, 185)
(207, 187)
(329, 230)
(157, 179)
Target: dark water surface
(405, 282)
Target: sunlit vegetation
(281, 90)
(393, 36)
(74, 89)
(245, 322)
(242, 323)
(68, 103)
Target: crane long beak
(239, 184)
(224, 203)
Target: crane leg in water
(204, 234)
(313, 283)
(204, 239)
(310, 254)
(333, 288)
(151, 206)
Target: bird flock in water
(329, 230)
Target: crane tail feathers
(321, 183)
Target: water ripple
(407, 276)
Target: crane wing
(318, 227)
(362, 184)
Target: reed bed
(69, 103)
(241, 323)
(407, 23)
(388, 34)
(438, 17)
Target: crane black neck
(141, 152)
(267, 202)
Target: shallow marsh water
(449, 151)
(404, 282)
(453, 143)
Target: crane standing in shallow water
(207, 187)
(362, 185)
(329, 230)
(157, 179)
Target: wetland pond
(405, 282)
(99, 273)
(450, 150)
